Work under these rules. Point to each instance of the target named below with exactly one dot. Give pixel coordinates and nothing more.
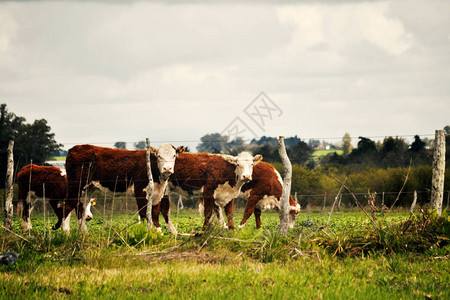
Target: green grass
(58, 158)
(128, 262)
(321, 153)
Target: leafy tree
(392, 152)
(366, 153)
(140, 145)
(447, 144)
(121, 145)
(418, 153)
(31, 141)
(299, 153)
(236, 146)
(213, 143)
(347, 144)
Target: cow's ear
(230, 159)
(180, 149)
(152, 150)
(93, 201)
(257, 159)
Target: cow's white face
(89, 215)
(244, 165)
(166, 155)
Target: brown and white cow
(264, 192)
(117, 170)
(219, 178)
(55, 183)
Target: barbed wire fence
(124, 204)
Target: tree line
(32, 141)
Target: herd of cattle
(219, 178)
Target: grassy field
(399, 257)
(321, 153)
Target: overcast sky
(101, 73)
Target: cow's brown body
(265, 186)
(200, 172)
(115, 169)
(55, 189)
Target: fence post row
(9, 188)
(437, 181)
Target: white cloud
(341, 27)
(8, 29)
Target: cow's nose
(167, 169)
(247, 177)
(89, 217)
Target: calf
(218, 177)
(117, 170)
(55, 183)
(264, 192)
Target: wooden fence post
(437, 182)
(150, 187)
(413, 205)
(284, 200)
(9, 187)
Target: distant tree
(418, 153)
(140, 145)
(236, 146)
(366, 153)
(392, 152)
(347, 144)
(31, 141)
(121, 145)
(213, 143)
(447, 144)
(35, 142)
(299, 153)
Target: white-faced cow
(33, 179)
(117, 170)
(218, 177)
(262, 193)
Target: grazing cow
(117, 170)
(264, 192)
(218, 177)
(55, 183)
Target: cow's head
(244, 165)
(294, 209)
(89, 215)
(166, 155)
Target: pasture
(402, 256)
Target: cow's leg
(26, 211)
(229, 213)
(65, 222)
(141, 201)
(156, 209)
(258, 217)
(81, 214)
(57, 208)
(249, 209)
(208, 201)
(165, 211)
(219, 214)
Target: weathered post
(437, 181)
(150, 187)
(9, 188)
(284, 200)
(413, 205)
